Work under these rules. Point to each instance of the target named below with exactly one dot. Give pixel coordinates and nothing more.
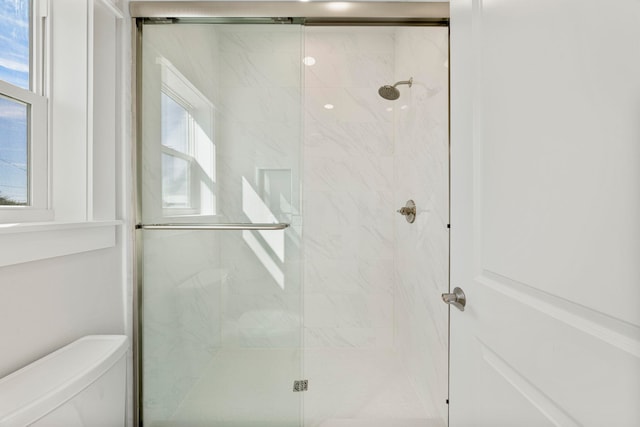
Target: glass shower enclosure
(248, 315)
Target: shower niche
(249, 124)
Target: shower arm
(405, 82)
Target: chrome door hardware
(456, 299)
(409, 211)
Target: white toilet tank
(81, 384)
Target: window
(61, 106)
(23, 115)
(188, 149)
(15, 30)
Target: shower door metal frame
(310, 13)
(365, 13)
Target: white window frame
(38, 207)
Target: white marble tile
(262, 321)
(327, 246)
(346, 276)
(421, 173)
(360, 338)
(373, 242)
(354, 173)
(350, 40)
(260, 69)
(336, 311)
(376, 275)
(348, 69)
(339, 310)
(359, 105)
(331, 276)
(259, 38)
(329, 209)
(261, 104)
(347, 138)
(377, 389)
(239, 133)
(199, 63)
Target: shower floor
(347, 388)
(362, 387)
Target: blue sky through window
(14, 69)
(14, 39)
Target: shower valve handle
(409, 211)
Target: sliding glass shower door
(219, 172)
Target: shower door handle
(227, 226)
(457, 299)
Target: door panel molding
(527, 389)
(618, 333)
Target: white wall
(47, 304)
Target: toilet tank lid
(35, 390)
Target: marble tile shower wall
(259, 124)
(421, 173)
(259, 118)
(348, 188)
(371, 279)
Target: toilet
(81, 384)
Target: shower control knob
(409, 211)
(457, 299)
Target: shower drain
(301, 385)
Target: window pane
(175, 182)
(174, 125)
(14, 121)
(14, 39)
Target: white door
(545, 213)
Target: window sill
(26, 242)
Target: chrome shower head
(390, 92)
